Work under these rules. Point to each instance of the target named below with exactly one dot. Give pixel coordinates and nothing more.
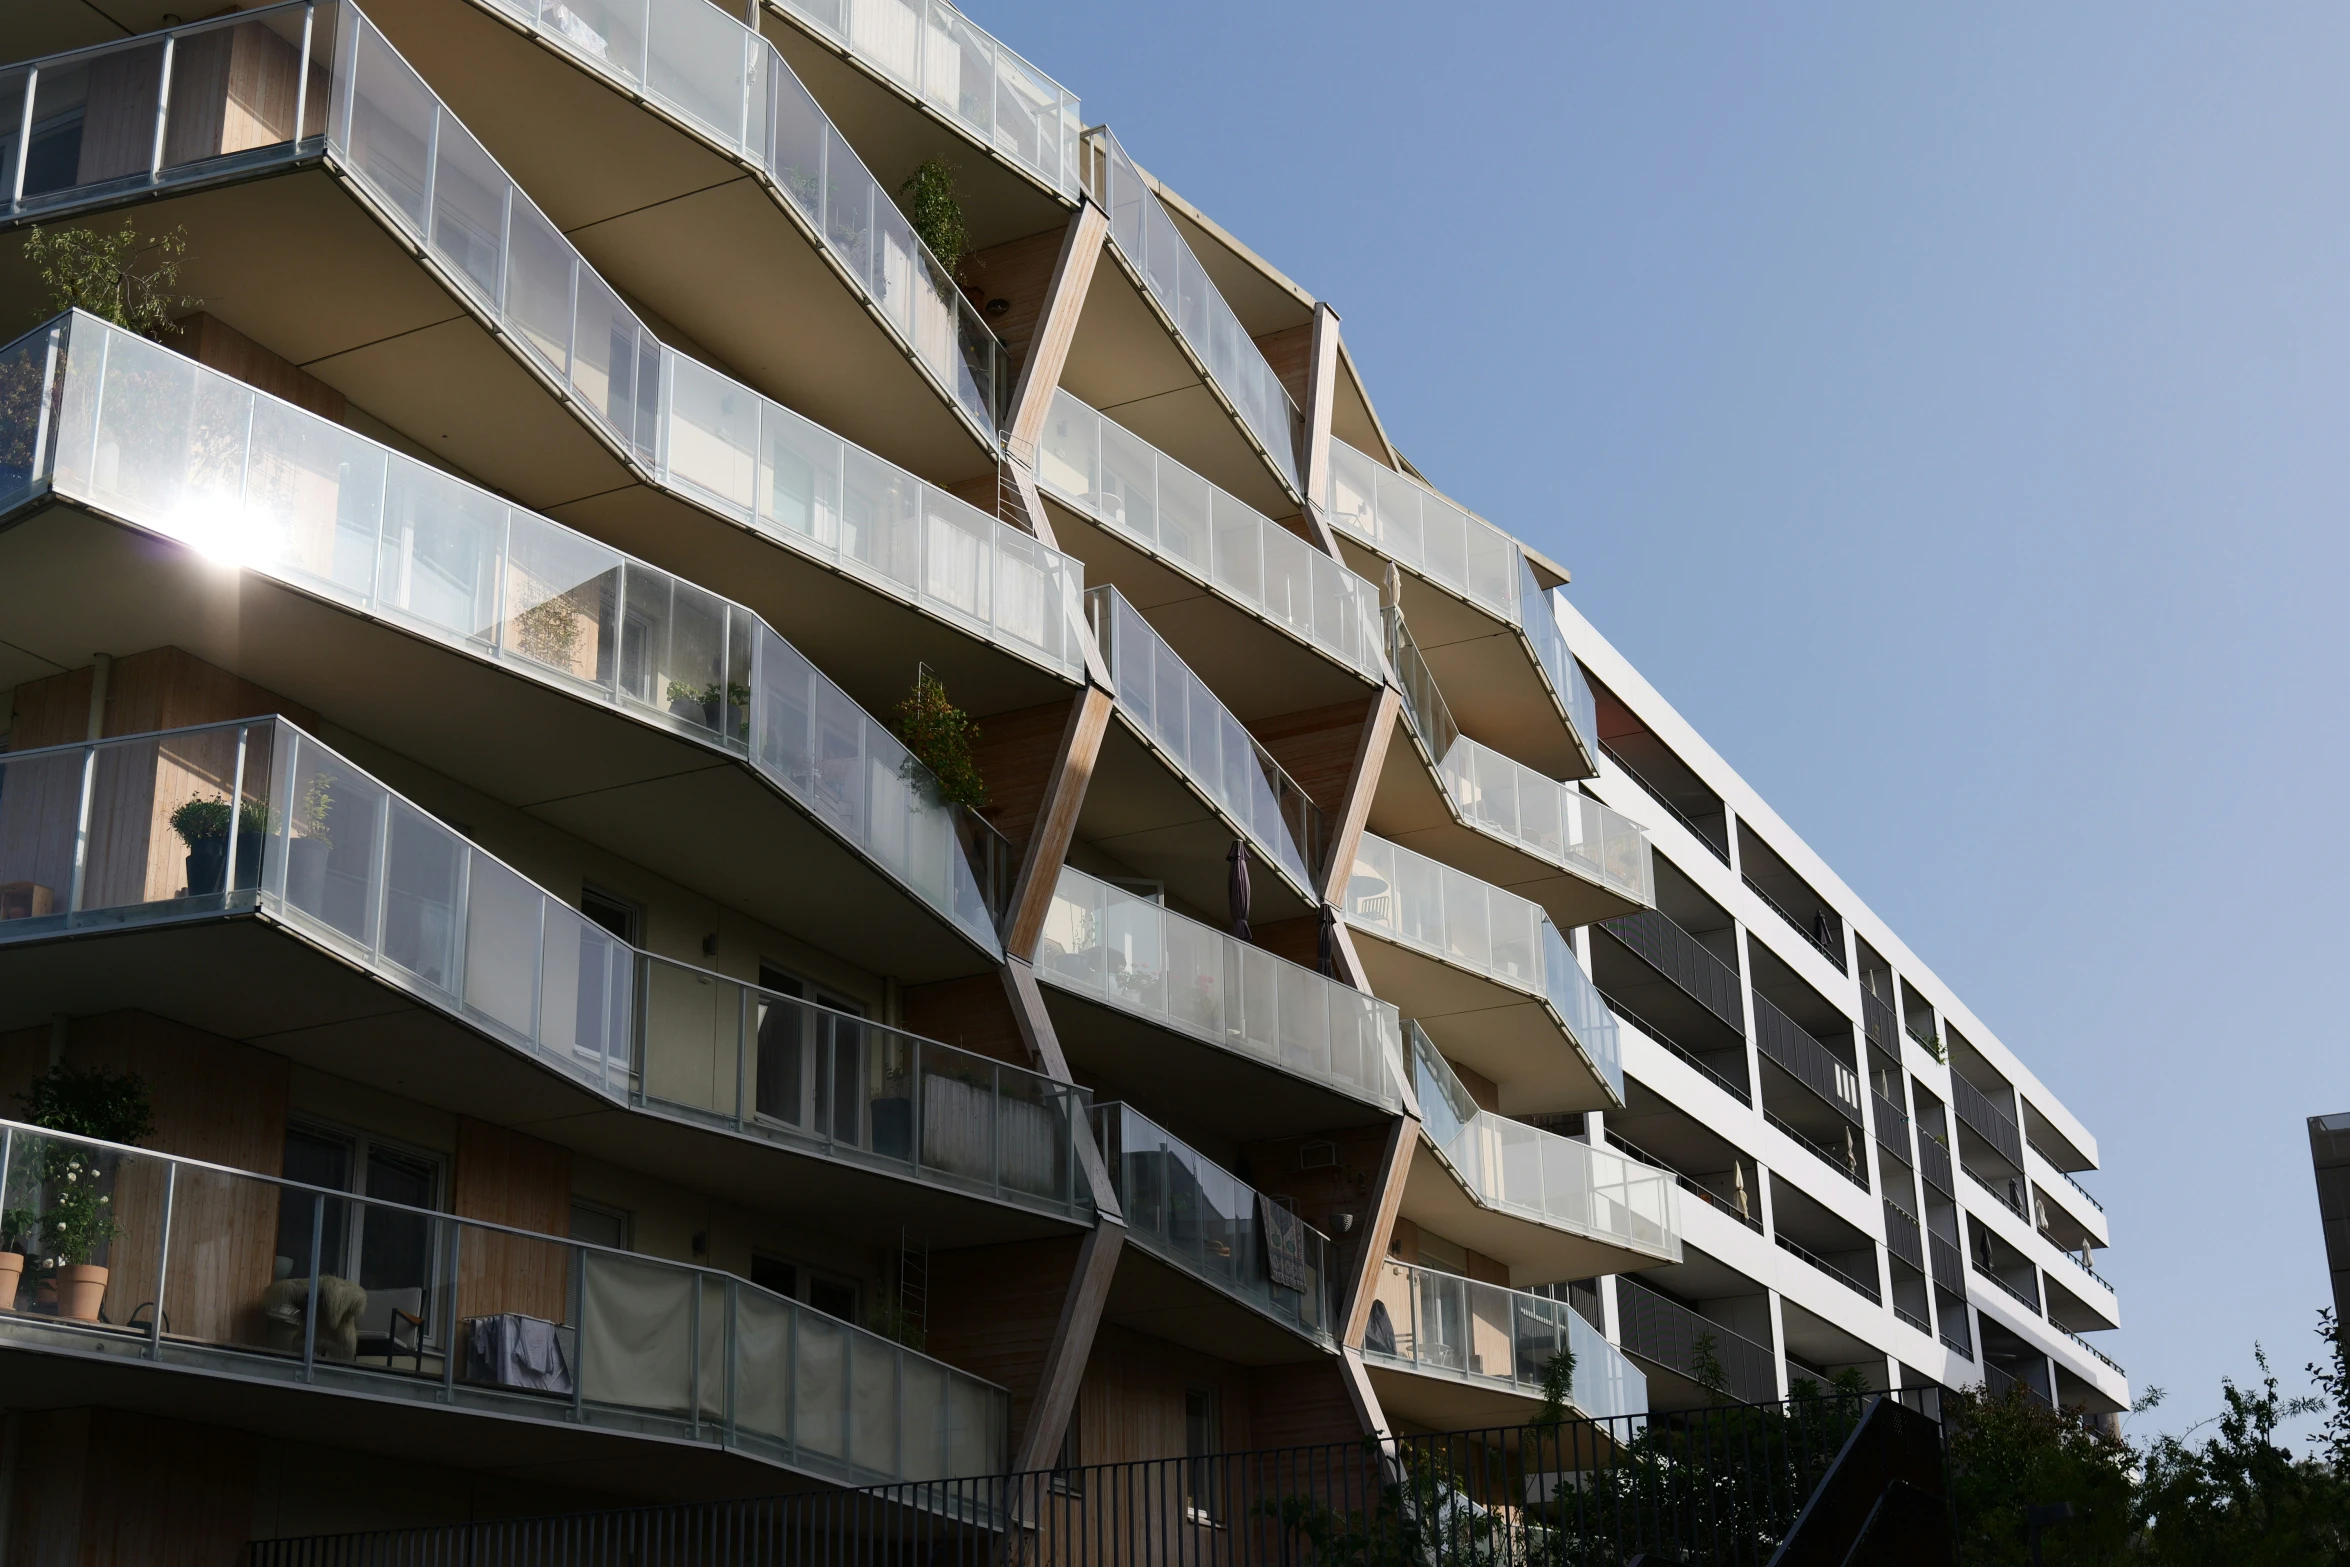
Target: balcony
(1483, 621)
(1163, 268)
(1788, 1043)
(1450, 1353)
(1877, 1023)
(668, 724)
(657, 437)
(1289, 1050)
(1981, 1115)
(1500, 820)
(1171, 713)
(635, 123)
(291, 1302)
(1214, 1229)
(1547, 1207)
(1934, 1165)
(1903, 1235)
(1195, 535)
(1665, 1333)
(1892, 1126)
(1489, 976)
(931, 54)
(328, 914)
(1866, 1288)
(1948, 1271)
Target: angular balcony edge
(1174, 713)
(1145, 959)
(322, 848)
(678, 426)
(241, 477)
(573, 1335)
(1436, 1324)
(1100, 469)
(859, 31)
(1563, 1184)
(1469, 559)
(1157, 259)
(1425, 906)
(1187, 1210)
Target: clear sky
(1945, 408)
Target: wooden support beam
(1347, 823)
(1403, 1140)
(1044, 1048)
(1361, 1394)
(1321, 395)
(1064, 1367)
(1056, 822)
(1056, 330)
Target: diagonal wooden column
(1072, 1347)
(1056, 330)
(1321, 395)
(1403, 1139)
(1362, 786)
(1056, 823)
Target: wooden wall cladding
(995, 1309)
(504, 1177)
(107, 1488)
(1290, 352)
(1018, 753)
(1318, 747)
(1020, 273)
(972, 1013)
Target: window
(386, 1251)
(812, 1068)
(1201, 1497)
(621, 918)
(598, 1225)
(828, 1293)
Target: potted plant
(310, 847)
(76, 1215)
(202, 824)
(706, 705)
(14, 1223)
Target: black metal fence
(1719, 1487)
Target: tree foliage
(941, 735)
(119, 277)
(936, 210)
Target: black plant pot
(893, 1128)
(207, 863)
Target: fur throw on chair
(340, 1303)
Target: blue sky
(1945, 410)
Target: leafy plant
(708, 696)
(78, 1218)
(207, 816)
(1705, 1366)
(317, 800)
(112, 1107)
(76, 1214)
(940, 735)
(1558, 1388)
(936, 212)
(119, 277)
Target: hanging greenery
(941, 735)
(119, 277)
(935, 211)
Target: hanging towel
(1285, 1244)
(512, 1350)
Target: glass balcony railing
(1549, 820)
(1156, 249)
(1554, 1181)
(1423, 702)
(685, 426)
(1184, 1207)
(139, 831)
(217, 1271)
(935, 54)
(1441, 1324)
(113, 421)
(1154, 502)
(1460, 551)
(1182, 717)
(1452, 916)
(1144, 958)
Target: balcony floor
(1493, 1028)
(1534, 1252)
(1152, 1295)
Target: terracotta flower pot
(80, 1288)
(11, 1276)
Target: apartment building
(457, 783)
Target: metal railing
(1723, 1485)
(1423, 702)
(1155, 503)
(2078, 1187)
(1663, 1330)
(1183, 1207)
(108, 419)
(1877, 1021)
(1846, 1163)
(1406, 897)
(1555, 1181)
(2015, 1292)
(2080, 1263)
(1688, 1057)
(1720, 851)
(2001, 1384)
(1453, 547)
(1902, 1235)
(1912, 1318)
(711, 439)
(1142, 957)
(319, 845)
(1440, 1324)
(1977, 1109)
(1184, 720)
(1934, 1164)
(1850, 1281)
(2108, 1361)
(1689, 1183)
(1652, 936)
(1825, 932)
(937, 56)
(1948, 1271)
(1174, 280)
(1892, 1125)
(213, 1270)
(2012, 1199)
(1809, 1062)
